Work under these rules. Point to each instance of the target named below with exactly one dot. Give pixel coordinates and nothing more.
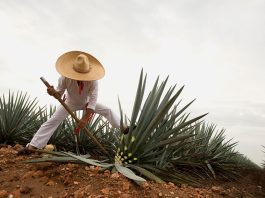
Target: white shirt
(87, 97)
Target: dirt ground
(51, 180)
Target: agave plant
(263, 164)
(209, 155)
(242, 162)
(158, 129)
(18, 118)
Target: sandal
(25, 151)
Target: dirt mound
(51, 180)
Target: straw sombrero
(79, 65)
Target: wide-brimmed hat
(79, 65)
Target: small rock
(217, 189)
(76, 182)
(184, 185)
(160, 194)
(105, 191)
(17, 147)
(145, 185)
(38, 173)
(28, 174)
(44, 179)
(115, 175)
(79, 193)
(50, 183)
(25, 189)
(100, 196)
(125, 195)
(88, 188)
(107, 173)
(63, 194)
(126, 186)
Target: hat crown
(81, 64)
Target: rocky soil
(52, 180)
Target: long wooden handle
(75, 118)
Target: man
(78, 82)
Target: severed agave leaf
(53, 159)
(89, 161)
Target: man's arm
(93, 95)
(58, 92)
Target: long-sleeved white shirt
(88, 95)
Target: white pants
(42, 136)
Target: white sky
(215, 48)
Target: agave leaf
(146, 173)
(168, 141)
(139, 98)
(129, 173)
(54, 159)
(89, 161)
(210, 168)
(184, 124)
(141, 138)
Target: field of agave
(164, 142)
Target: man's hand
(87, 116)
(52, 92)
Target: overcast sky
(215, 48)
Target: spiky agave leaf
(18, 118)
(157, 128)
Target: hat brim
(64, 65)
